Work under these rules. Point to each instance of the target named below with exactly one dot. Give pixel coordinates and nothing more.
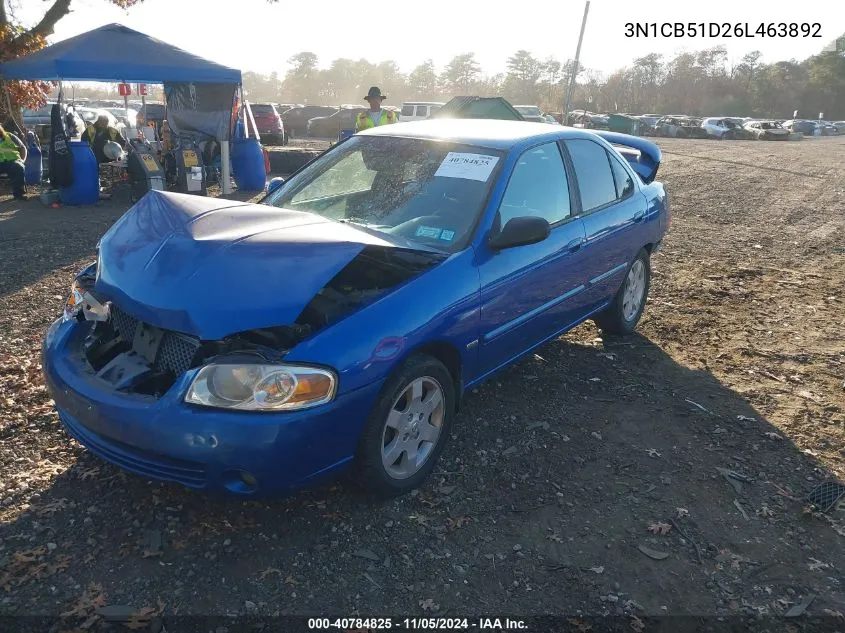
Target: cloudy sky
(258, 36)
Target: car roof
(490, 133)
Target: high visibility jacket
(91, 133)
(365, 122)
(9, 152)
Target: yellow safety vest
(9, 152)
(364, 122)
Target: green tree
(299, 80)
(521, 79)
(460, 74)
(422, 82)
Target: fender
(645, 161)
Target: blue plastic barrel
(248, 165)
(344, 134)
(33, 168)
(86, 176)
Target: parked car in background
(724, 128)
(331, 125)
(550, 119)
(268, 122)
(767, 130)
(295, 120)
(281, 108)
(39, 116)
(255, 349)
(826, 128)
(530, 113)
(679, 126)
(418, 110)
(344, 119)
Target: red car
(268, 122)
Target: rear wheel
(624, 312)
(407, 429)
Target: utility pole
(574, 72)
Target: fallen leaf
(457, 522)
(681, 513)
(429, 605)
(653, 452)
(651, 553)
(816, 565)
(267, 572)
(659, 528)
(597, 570)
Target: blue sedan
(258, 348)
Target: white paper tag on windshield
(467, 166)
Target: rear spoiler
(647, 159)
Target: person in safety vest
(101, 133)
(12, 157)
(375, 116)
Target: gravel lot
(585, 480)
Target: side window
(592, 168)
(624, 182)
(538, 186)
(407, 110)
(422, 111)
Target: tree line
(696, 83)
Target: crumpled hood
(211, 267)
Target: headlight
(80, 299)
(74, 303)
(261, 387)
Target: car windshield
(423, 191)
(529, 110)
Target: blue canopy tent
(116, 53)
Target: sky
(258, 36)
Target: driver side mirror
(521, 231)
(274, 184)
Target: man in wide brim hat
(375, 116)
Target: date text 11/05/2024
(367, 625)
(722, 29)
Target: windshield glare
(430, 192)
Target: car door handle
(639, 216)
(574, 245)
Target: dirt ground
(585, 480)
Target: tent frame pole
(224, 167)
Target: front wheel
(407, 429)
(624, 312)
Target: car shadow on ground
(598, 476)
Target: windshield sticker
(467, 166)
(447, 235)
(428, 231)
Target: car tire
(624, 312)
(399, 423)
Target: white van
(418, 110)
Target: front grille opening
(115, 342)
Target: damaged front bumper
(245, 453)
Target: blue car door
(613, 212)
(528, 293)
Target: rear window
(261, 108)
